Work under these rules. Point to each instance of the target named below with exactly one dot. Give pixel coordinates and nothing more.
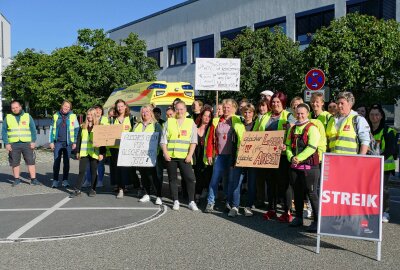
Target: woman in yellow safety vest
(119, 174)
(278, 179)
(387, 140)
(178, 141)
(87, 153)
(148, 175)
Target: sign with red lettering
(260, 149)
(351, 196)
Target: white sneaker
(307, 213)
(87, 184)
(233, 212)
(176, 205)
(55, 184)
(65, 183)
(193, 206)
(145, 198)
(158, 201)
(120, 194)
(385, 217)
(248, 212)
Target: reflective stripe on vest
(389, 163)
(18, 132)
(71, 127)
(87, 148)
(343, 141)
(178, 137)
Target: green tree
(359, 53)
(85, 73)
(269, 60)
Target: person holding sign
(119, 174)
(301, 150)
(220, 143)
(148, 175)
(178, 141)
(387, 142)
(278, 179)
(87, 153)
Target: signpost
(315, 79)
(138, 149)
(351, 196)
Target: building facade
(5, 54)
(195, 28)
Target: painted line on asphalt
(15, 235)
(108, 208)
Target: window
(203, 47)
(281, 22)
(307, 23)
(385, 9)
(177, 54)
(231, 34)
(157, 54)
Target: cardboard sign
(107, 135)
(217, 74)
(138, 149)
(351, 196)
(260, 149)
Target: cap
(267, 93)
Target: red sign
(351, 195)
(315, 79)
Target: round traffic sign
(315, 79)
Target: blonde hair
(91, 111)
(231, 101)
(150, 108)
(297, 98)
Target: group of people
(204, 146)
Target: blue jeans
(61, 149)
(100, 172)
(235, 185)
(222, 167)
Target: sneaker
(85, 184)
(145, 198)
(176, 205)
(209, 208)
(158, 201)
(313, 227)
(270, 214)
(65, 183)
(307, 213)
(55, 184)
(248, 212)
(75, 193)
(35, 182)
(285, 218)
(385, 217)
(92, 193)
(120, 194)
(233, 212)
(16, 182)
(296, 222)
(193, 206)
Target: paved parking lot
(115, 235)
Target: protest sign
(138, 149)
(260, 149)
(106, 135)
(217, 74)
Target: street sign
(315, 79)
(325, 91)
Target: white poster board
(138, 149)
(217, 74)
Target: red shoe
(285, 218)
(270, 214)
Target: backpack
(314, 158)
(374, 148)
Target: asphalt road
(190, 240)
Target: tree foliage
(85, 73)
(269, 60)
(359, 53)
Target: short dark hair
(157, 110)
(16, 101)
(98, 106)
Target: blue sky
(49, 24)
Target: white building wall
(5, 54)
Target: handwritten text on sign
(217, 74)
(138, 149)
(260, 149)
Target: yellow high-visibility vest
(344, 140)
(178, 137)
(70, 127)
(18, 131)
(87, 148)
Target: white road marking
(109, 208)
(33, 222)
